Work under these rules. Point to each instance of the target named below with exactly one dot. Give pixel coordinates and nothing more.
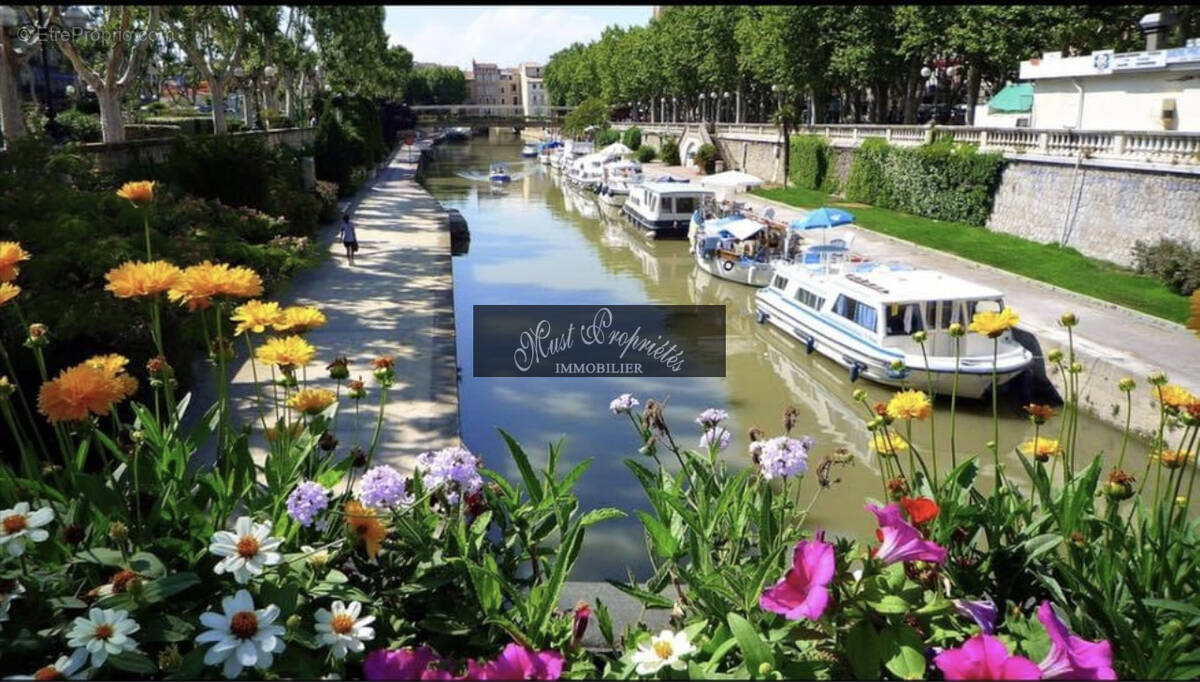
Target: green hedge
(606, 137)
(943, 180)
(632, 138)
(811, 160)
(669, 154)
(706, 157)
(646, 154)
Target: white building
(1152, 90)
(534, 98)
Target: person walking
(348, 237)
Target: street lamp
(724, 103)
(674, 109)
(662, 111)
(702, 113)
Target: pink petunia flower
(518, 663)
(803, 592)
(901, 541)
(984, 657)
(405, 664)
(1071, 657)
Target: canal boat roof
(903, 286)
(674, 188)
(739, 228)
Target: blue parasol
(823, 218)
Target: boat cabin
(664, 207)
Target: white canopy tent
(616, 149)
(740, 229)
(730, 182)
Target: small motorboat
(499, 173)
(529, 151)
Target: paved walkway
(1115, 341)
(396, 300)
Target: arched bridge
(489, 114)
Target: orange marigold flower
(134, 279)
(1040, 413)
(11, 254)
(288, 352)
(384, 362)
(1175, 397)
(200, 283)
(909, 405)
(76, 391)
(311, 400)
(138, 192)
(992, 324)
(242, 282)
(366, 526)
(300, 318)
(255, 316)
(8, 291)
(1173, 459)
(114, 366)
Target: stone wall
(116, 155)
(763, 159)
(1101, 211)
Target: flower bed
(121, 559)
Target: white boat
(499, 173)
(619, 176)
(530, 150)
(572, 150)
(734, 248)
(587, 172)
(664, 209)
(862, 316)
(546, 151)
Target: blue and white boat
(546, 151)
(735, 248)
(862, 316)
(664, 209)
(529, 151)
(498, 173)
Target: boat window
(941, 314)
(653, 204)
(685, 204)
(808, 298)
(903, 318)
(857, 312)
(992, 306)
(780, 282)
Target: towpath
(396, 300)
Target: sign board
(1102, 61)
(1132, 61)
(1182, 55)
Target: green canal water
(538, 242)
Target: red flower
(920, 510)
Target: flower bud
(991, 445)
(1126, 384)
(898, 366)
(1075, 368)
(765, 668)
(582, 615)
(117, 531)
(359, 457)
(169, 659)
(897, 488)
(38, 335)
(1055, 355)
(1181, 502)
(876, 423)
(1119, 486)
(859, 395)
(293, 622)
(1068, 320)
(357, 389)
(327, 442)
(339, 369)
(1157, 378)
(956, 330)
(677, 610)
(920, 336)
(1078, 540)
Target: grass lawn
(1063, 267)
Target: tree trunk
(111, 125)
(787, 151)
(820, 101)
(216, 88)
(973, 78)
(738, 116)
(911, 87)
(11, 119)
(881, 102)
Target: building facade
(1152, 90)
(534, 99)
(483, 84)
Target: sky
(506, 34)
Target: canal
(536, 242)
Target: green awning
(1013, 99)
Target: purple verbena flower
(711, 417)
(306, 501)
(383, 486)
(454, 470)
(783, 456)
(623, 403)
(717, 436)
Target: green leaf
(133, 663)
(755, 650)
(567, 553)
(1172, 605)
(889, 604)
(599, 515)
(1038, 545)
(664, 543)
(904, 652)
(650, 599)
(604, 622)
(532, 484)
(152, 592)
(862, 649)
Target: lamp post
(674, 109)
(703, 113)
(724, 104)
(662, 111)
(72, 18)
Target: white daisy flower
(9, 590)
(342, 630)
(246, 550)
(18, 526)
(668, 649)
(103, 632)
(65, 668)
(242, 636)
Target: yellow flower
(255, 316)
(200, 283)
(909, 405)
(11, 254)
(1173, 459)
(888, 445)
(992, 324)
(363, 524)
(288, 352)
(300, 318)
(311, 400)
(92, 386)
(114, 366)
(8, 292)
(134, 279)
(138, 192)
(1175, 397)
(1041, 448)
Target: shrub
(706, 157)
(361, 118)
(810, 161)
(188, 125)
(1174, 262)
(80, 127)
(607, 136)
(334, 157)
(632, 138)
(942, 180)
(646, 153)
(234, 170)
(327, 193)
(669, 153)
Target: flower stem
(953, 404)
(995, 413)
(932, 420)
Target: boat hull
(753, 274)
(865, 360)
(499, 178)
(611, 199)
(656, 229)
